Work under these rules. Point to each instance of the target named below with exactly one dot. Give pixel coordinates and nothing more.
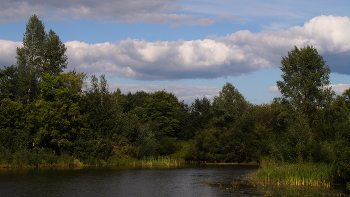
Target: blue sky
(188, 47)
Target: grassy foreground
(299, 174)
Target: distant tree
(305, 80)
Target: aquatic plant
(297, 174)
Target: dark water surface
(186, 180)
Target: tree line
(45, 109)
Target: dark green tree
(161, 108)
(104, 113)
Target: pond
(183, 180)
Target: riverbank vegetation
(51, 116)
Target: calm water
(186, 180)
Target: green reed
(298, 174)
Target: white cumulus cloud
(239, 53)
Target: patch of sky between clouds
(13, 31)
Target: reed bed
(159, 161)
(299, 174)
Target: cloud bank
(239, 53)
(109, 11)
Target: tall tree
(40, 53)
(305, 79)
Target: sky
(187, 47)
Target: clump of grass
(298, 174)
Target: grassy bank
(32, 159)
(300, 174)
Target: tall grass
(28, 158)
(150, 161)
(298, 174)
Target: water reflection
(184, 180)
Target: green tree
(57, 111)
(104, 113)
(305, 80)
(160, 112)
(229, 106)
(201, 113)
(101, 107)
(54, 54)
